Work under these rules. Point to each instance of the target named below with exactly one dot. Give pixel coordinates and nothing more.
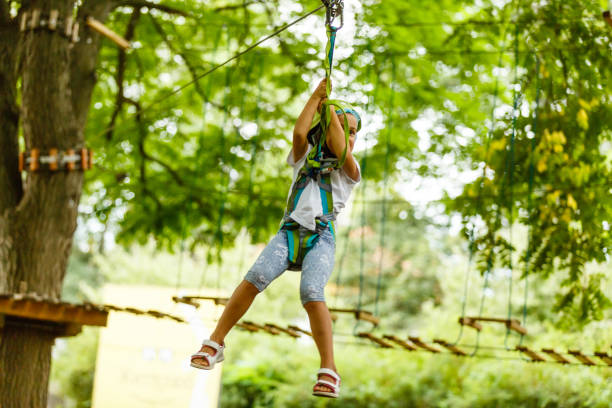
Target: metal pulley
(334, 9)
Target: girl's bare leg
(236, 307)
(321, 326)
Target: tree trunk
(37, 221)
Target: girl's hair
(352, 112)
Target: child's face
(352, 122)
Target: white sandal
(211, 360)
(335, 387)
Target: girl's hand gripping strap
(326, 120)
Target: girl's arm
(302, 125)
(336, 142)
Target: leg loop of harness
(300, 240)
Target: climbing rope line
(228, 180)
(383, 216)
(254, 156)
(530, 197)
(510, 175)
(498, 212)
(184, 226)
(471, 233)
(218, 231)
(361, 192)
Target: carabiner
(333, 9)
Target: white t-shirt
(309, 205)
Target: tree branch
(285, 49)
(119, 77)
(146, 156)
(237, 6)
(192, 69)
(138, 4)
(85, 58)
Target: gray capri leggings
(316, 267)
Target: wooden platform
(66, 318)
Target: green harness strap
(300, 239)
(318, 167)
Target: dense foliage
(200, 163)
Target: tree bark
(37, 222)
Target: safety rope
(190, 200)
(510, 175)
(530, 196)
(228, 179)
(218, 235)
(254, 156)
(383, 221)
(498, 212)
(362, 187)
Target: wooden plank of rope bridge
(532, 354)
(247, 327)
(264, 328)
(133, 310)
(558, 357)
(581, 357)
(417, 342)
(290, 332)
(184, 300)
(604, 357)
(512, 324)
(359, 314)
(469, 321)
(399, 342)
(217, 299)
(374, 339)
(162, 315)
(300, 330)
(454, 349)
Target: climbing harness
(320, 162)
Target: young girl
(312, 207)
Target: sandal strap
(331, 373)
(202, 354)
(327, 384)
(213, 344)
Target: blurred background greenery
(460, 181)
